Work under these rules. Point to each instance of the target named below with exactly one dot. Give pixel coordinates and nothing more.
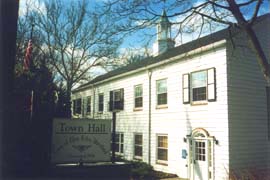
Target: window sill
(138, 109)
(163, 163)
(198, 103)
(138, 158)
(100, 112)
(165, 106)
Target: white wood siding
(249, 147)
(178, 120)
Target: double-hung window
(138, 94)
(138, 146)
(119, 143)
(161, 88)
(100, 102)
(199, 87)
(88, 105)
(77, 106)
(162, 149)
(116, 100)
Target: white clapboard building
(198, 110)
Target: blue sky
(139, 38)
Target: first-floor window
(138, 146)
(119, 143)
(100, 103)
(77, 106)
(162, 148)
(88, 105)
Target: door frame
(201, 134)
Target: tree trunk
(68, 103)
(258, 50)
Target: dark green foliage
(142, 170)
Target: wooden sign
(81, 140)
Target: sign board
(81, 140)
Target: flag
(27, 58)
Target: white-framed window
(100, 102)
(138, 96)
(161, 90)
(119, 143)
(199, 86)
(77, 106)
(116, 100)
(162, 148)
(138, 146)
(88, 105)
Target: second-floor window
(138, 93)
(161, 92)
(199, 87)
(100, 102)
(116, 100)
(88, 105)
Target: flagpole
(30, 65)
(31, 106)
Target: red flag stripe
(26, 64)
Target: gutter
(183, 56)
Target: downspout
(149, 116)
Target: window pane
(199, 94)
(138, 102)
(199, 79)
(162, 86)
(162, 141)
(122, 148)
(117, 96)
(138, 139)
(138, 91)
(100, 102)
(138, 150)
(162, 154)
(88, 104)
(162, 99)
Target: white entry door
(200, 158)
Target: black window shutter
(74, 106)
(186, 89)
(111, 101)
(121, 105)
(211, 84)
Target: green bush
(141, 170)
